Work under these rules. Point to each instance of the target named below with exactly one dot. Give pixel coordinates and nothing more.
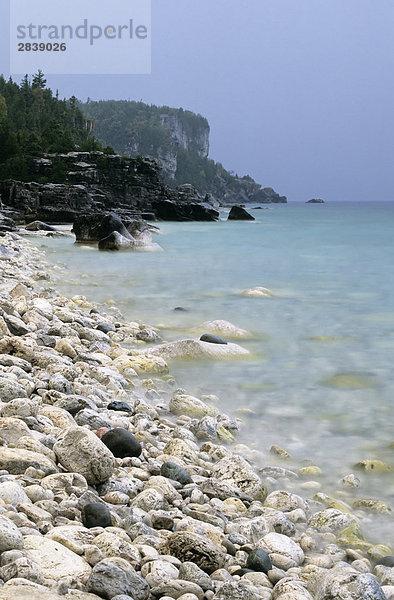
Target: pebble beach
(116, 484)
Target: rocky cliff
(179, 141)
(97, 182)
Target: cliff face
(191, 135)
(179, 140)
(94, 182)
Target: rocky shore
(116, 485)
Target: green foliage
(33, 122)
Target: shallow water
(320, 376)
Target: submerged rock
(197, 349)
(116, 241)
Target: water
(320, 376)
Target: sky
(299, 94)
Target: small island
(315, 201)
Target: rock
(97, 226)
(183, 404)
(257, 292)
(116, 241)
(375, 506)
(96, 514)
(283, 551)
(10, 389)
(175, 472)
(167, 210)
(235, 471)
(189, 571)
(55, 560)
(12, 429)
(110, 578)
(30, 591)
(22, 568)
(197, 349)
(122, 443)
(111, 544)
(157, 571)
(16, 461)
(39, 226)
(15, 325)
(150, 499)
(237, 213)
(345, 582)
(12, 361)
(80, 450)
(285, 501)
(374, 466)
(230, 591)
(291, 589)
(12, 493)
(10, 536)
(315, 201)
(191, 547)
(259, 560)
(212, 339)
(175, 588)
(119, 406)
(223, 328)
(386, 561)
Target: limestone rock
(191, 547)
(16, 461)
(80, 450)
(346, 582)
(10, 536)
(183, 404)
(196, 349)
(114, 577)
(283, 551)
(235, 471)
(55, 560)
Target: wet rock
(122, 443)
(119, 406)
(330, 520)
(183, 404)
(116, 241)
(212, 339)
(79, 450)
(237, 213)
(259, 560)
(196, 349)
(95, 514)
(96, 226)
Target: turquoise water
(331, 269)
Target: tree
(39, 80)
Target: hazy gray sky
(298, 93)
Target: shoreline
(227, 503)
